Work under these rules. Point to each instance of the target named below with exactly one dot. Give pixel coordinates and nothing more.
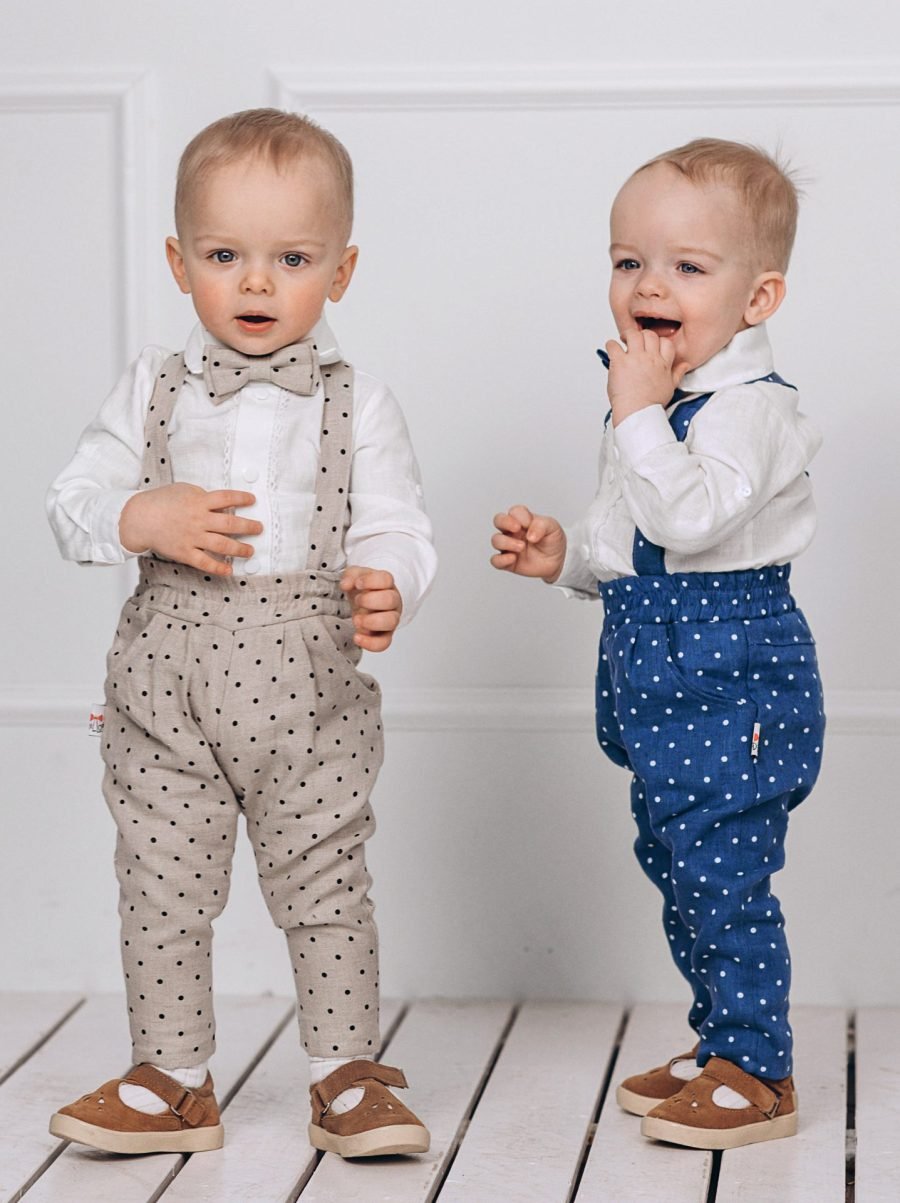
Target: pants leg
(654, 856)
(303, 749)
(688, 695)
(722, 871)
(176, 816)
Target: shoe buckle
(189, 1108)
(773, 1110)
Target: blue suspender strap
(649, 558)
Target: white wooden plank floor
(519, 1099)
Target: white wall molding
(789, 83)
(124, 96)
(850, 711)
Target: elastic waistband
(238, 601)
(698, 596)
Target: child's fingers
(522, 515)
(365, 578)
(539, 529)
(197, 558)
(615, 350)
(507, 543)
(373, 643)
(225, 499)
(376, 621)
(504, 560)
(231, 524)
(378, 599)
(223, 546)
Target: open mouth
(255, 319)
(663, 326)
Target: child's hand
(528, 544)
(376, 605)
(187, 524)
(644, 375)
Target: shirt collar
(321, 334)
(747, 357)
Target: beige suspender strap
(331, 512)
(156, 466)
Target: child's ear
(344, 273)
(768, 293)
(176, 263)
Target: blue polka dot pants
(708, 690)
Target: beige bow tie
(292, 368)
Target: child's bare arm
(376, 606)
(187, 524)
(528, 544)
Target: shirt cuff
(640, 433)
(106, 546)
(411, 580)
(576, 578)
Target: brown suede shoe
(691, 1117)
(377, 1125)
(642, 1092)
(103, 1121)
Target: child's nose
(257, 279)
(650, 285)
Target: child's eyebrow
(696, 252)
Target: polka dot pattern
(689, 666)
(242, 696)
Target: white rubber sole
(719, 1138)
(378, 1142)
(189, 1140)
(635, 1104)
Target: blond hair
(765, 186)
(269, 134)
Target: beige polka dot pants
(230, 696)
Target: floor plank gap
(850, 1182)
(444, 1172)
(40, 1042)
(601, 1099)
(260, 1053)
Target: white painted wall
(488, 141)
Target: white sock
(686, 1070)
(321, 1067)
(141, 1099)
(724, 1096)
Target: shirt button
(611, 475)
(252, 566)
(746, 491)
(250, 473)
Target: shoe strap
(762, 1097)
(182, 1100)
(345, 1076)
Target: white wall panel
(488, 143)
(69, 214)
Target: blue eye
(689, 269)
(293, 259)
(628, 265)
(223, 256)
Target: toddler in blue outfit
(707, 684)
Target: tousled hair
(270, 134)
(766, 187)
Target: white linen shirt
(734, 495)
(263, 440)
